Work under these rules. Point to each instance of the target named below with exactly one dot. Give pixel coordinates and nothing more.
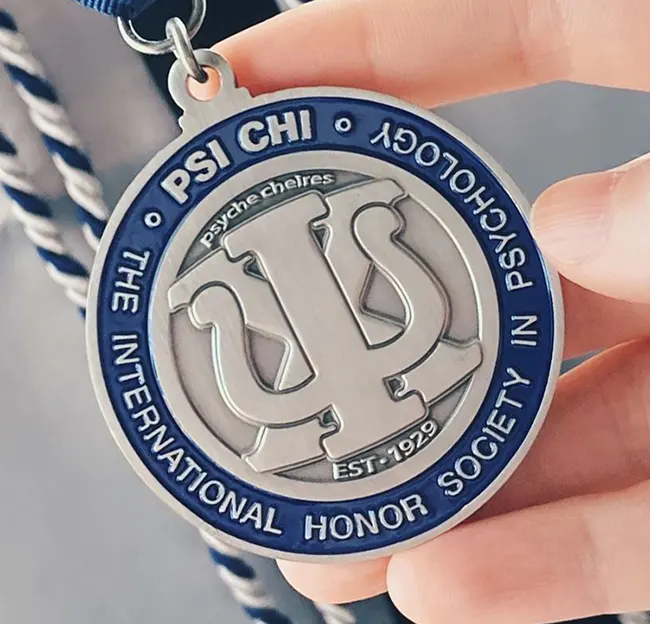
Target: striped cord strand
(51, 120)
(335, 614)
(243, 582)
(287, 5)
(35, 215)
(36, 218)
(641, 617)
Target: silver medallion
(319, 325)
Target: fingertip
(593, 227)
(293, 49)
(434, 582)
(336, 583)
(571, 219)
(455, 576)
(404, 584)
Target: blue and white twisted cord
(250, 593)
(35, 215)
(641, 617)
(335, 614)
(85, 190)
(286, 5)
(51, 120)
(244, 584)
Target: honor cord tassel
(35, 215)
(51, 120)
(244, 584)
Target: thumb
(595, 229)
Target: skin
(567, 537)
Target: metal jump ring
(162, 46)
(177, 32)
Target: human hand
(568, 536)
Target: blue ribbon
(127, 9)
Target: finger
(595, 439)
(337, 583)
(594, 321)
(566, 560)
(594, 229)
(434, 51)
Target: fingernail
(571, 220)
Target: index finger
(435, 51)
